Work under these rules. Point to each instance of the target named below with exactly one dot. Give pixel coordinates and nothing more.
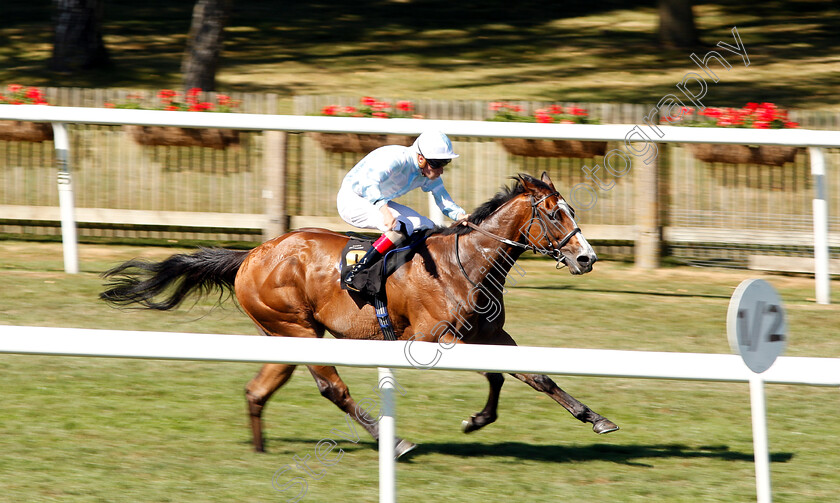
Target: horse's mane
(504, 195)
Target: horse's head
(552, 229)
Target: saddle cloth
(371, 281)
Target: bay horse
(290, 286)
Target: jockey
(366, 194)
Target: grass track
(77, 429)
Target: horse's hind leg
(270, 377)
(543, 383)
(333, 388)
(488, 413)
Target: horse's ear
(526, 181)
(545, 178)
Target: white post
(65, 199)
(435, 214)
(820, 208)
(387, 433)
(760, 449)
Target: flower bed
(553, 114)
(23, 130)
(752, 115)
(181, 137)
(364, 143)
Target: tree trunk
(205, 44)
(676, 24)
(78, 36)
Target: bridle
(555, 245)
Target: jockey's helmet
(434, 145)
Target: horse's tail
(140, 281)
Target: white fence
(815, 140)
(388, 354)
(392, 354)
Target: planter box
(25, 131)
(183, 137)
(768, 155)
(359, 143)
(553, 148)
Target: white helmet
(434, 145)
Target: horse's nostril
(584, 260)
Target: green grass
(605, 51)
(78, 429)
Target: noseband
(553, 250)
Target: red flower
(329, 110)
(107, 104)
(166, 94)
(555, 109)
(192, 95)
(543, 117)
(495, 105)
(349, 110)
(14, 88)
(223, 99)
(752, 115)
(405, 106)
(380, 115)
(724, 119)
(200, 107)
(368, 101)
(577, 111)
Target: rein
(554, 251)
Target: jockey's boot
(380, 247)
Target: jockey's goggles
(438, 163)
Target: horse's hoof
(403, 447)
(604, 426)
(471, 425)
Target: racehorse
(290, 286)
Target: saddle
(371, 281)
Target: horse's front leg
(488, 413)
(543, 383)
